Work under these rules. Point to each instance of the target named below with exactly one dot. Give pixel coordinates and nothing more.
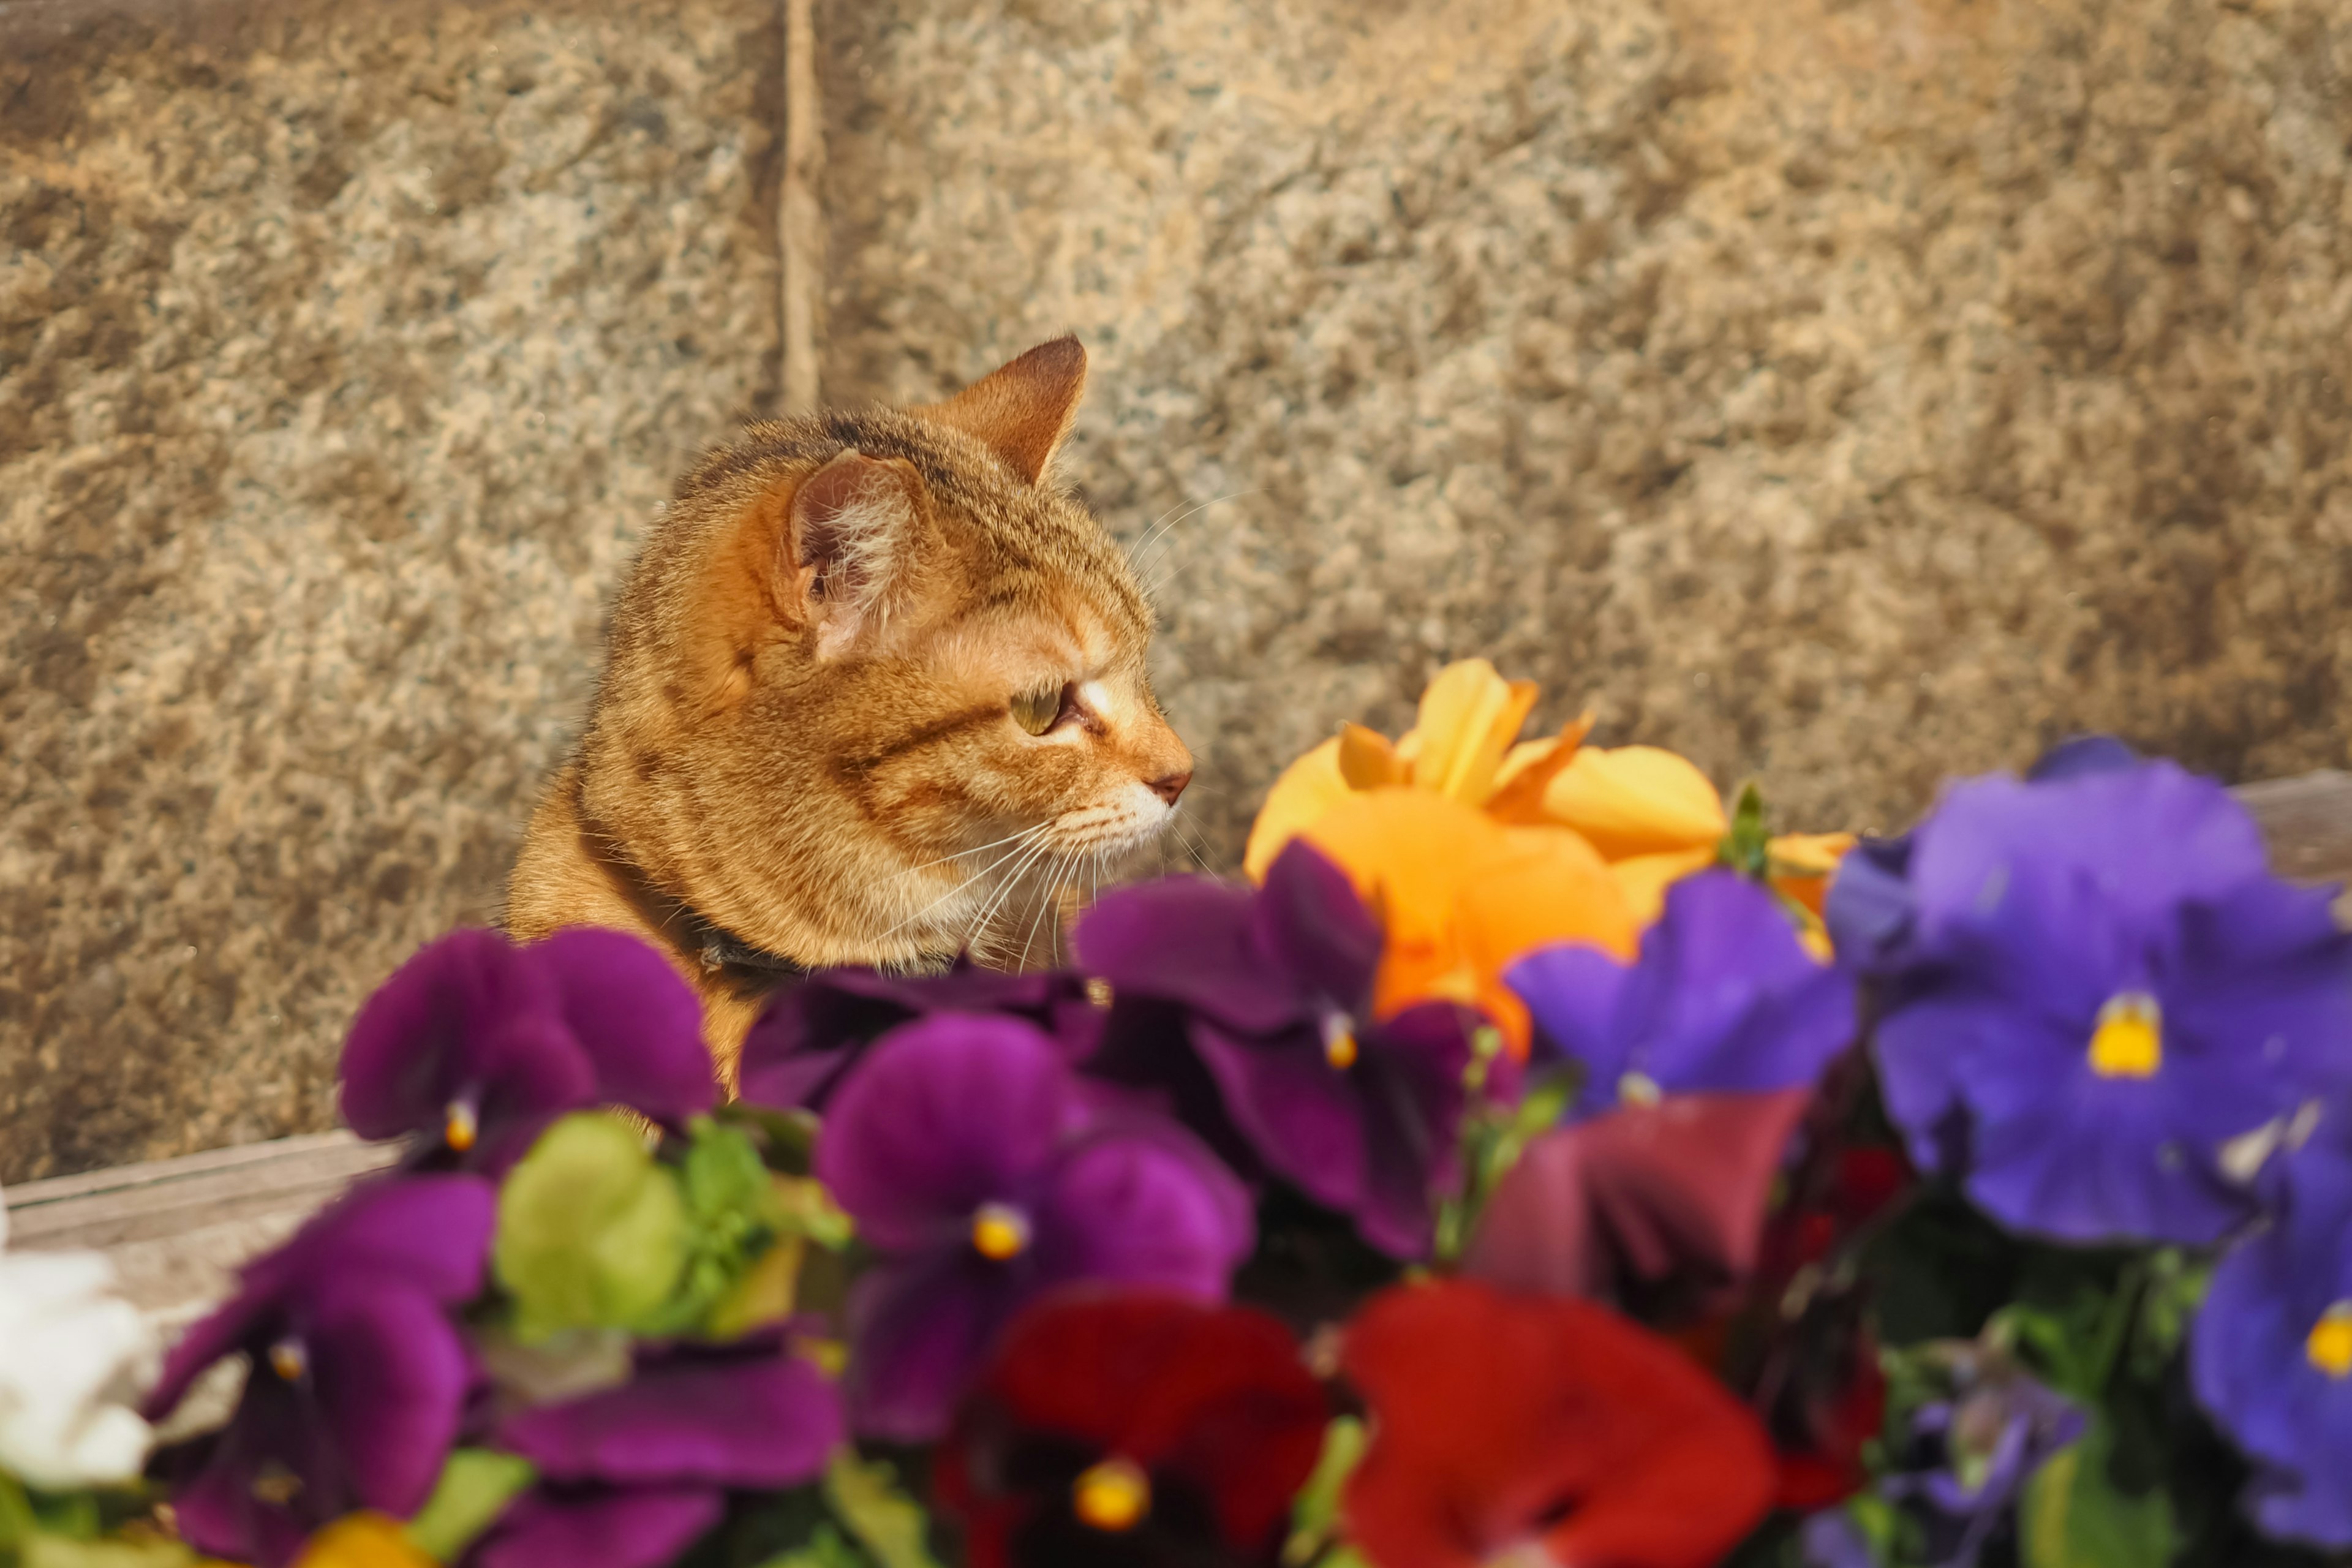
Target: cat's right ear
(850, 529)
(1023, 410)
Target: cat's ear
(1021, 410)
(852, 525)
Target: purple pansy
(629, 1476)
(1273, 994)
(1960, 1464)
(475, 1044)
(981, 1173)
(2271, 1353)
(1723, 999)
(808, 1035)
(358, 1376)
(2099, 985)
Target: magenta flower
(979, 1171)
(1276, 1048)
(2093, 985)
(809, 1036)
(1723, 999)
(358, 1376)
(630, 1476)
(475, 1044)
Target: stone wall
(1848, 392)
(1845, 391)
(343, 349)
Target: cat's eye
(1035, 712)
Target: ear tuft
(850, 523)
(1021, 410)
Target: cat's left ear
(853, 523)
(1021, 410)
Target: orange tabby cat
(874, 685)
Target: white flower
(74, 1357)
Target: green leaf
(2073, 1516)
(825, 1548)
(889, 1523)
(1745, 847)
(475, 1486)
(58, 1552)
(2175, 1288)
(591, 1232)
(1316, 1514)
(787, 1138)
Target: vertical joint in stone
(800, 225)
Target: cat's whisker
(1045, 892)
(1029, 855)
(966, 884)
(1166, 532)
(960, 853)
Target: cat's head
(877, 681)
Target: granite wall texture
(343, 348)
(1847, 392)
(1844, 391)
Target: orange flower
(1461, 896)
(361, 1540)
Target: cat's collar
(722, 949)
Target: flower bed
(1536, 1161)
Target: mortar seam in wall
(799, 221)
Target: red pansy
(1504, 1423)
(1132, 1429)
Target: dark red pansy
(1132, 1429)
(1546, 1426)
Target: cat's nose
(1168, 786)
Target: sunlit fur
(818, 755)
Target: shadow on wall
(1849, 396)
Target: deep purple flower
(808, 1035)
(1723, 999)
(1958, 1465)
(475, 1044)
(358, 1376)
(978, 1169)
(629, 1476)
(1275, 991)
(2101, 985)
(2271, 1353)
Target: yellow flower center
(1639, 1089)
(287, 1359)
(2129, 1040)
(999, 1231)
(2330, 1348)
(1338, 1043)
(1111, 1496)
(460, 1126)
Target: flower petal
(390, 1376)
(1189, 940)
(1637, 800)
(1307, 788)
(1469, 717)
(762, 1421)
(640, 1024)
(944, 1114)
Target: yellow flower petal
(1367, 760)
(1636, 800)
(1801, 864)
(1643, 878)
(1469, 717)
(1307, 789)
(361, 1540)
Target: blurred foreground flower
(1722, 998)
(966, 1153)
(810, 1035)
(74, 1359)
(2270, 1351)
(475, 1044)
(1275, 990)
(2092, 984)
(1541, 1429)
(630, 1476)
(356, 1375)
(1127, 1428)
(363, 1540)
